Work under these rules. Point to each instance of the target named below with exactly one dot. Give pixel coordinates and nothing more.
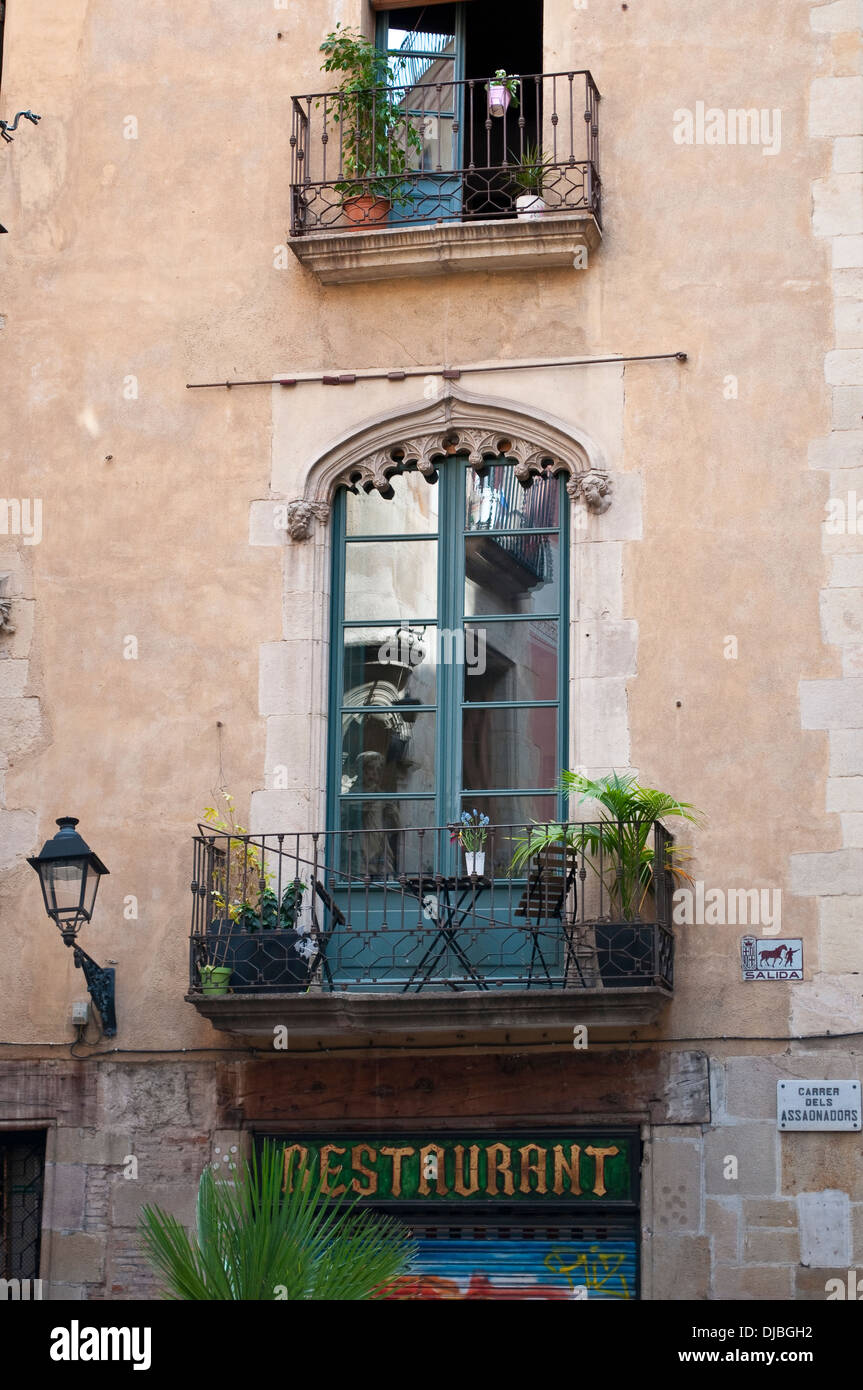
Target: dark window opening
(455, 43)
(22, 1176)
(502, 34)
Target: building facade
(370, 460)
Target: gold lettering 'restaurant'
(449, 1169)
(358, 1152)
(498, 1162)
(302, 1153)
(561, 1167)
(600, 1155)
(397, 1156)
(326, 1150)
(461, 1188)
(426, 1152)
(535, 1166)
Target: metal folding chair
(544, 900)
(322, 934)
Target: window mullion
(450, 586)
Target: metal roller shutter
(462, 1259)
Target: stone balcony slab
(394, 253)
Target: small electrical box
(80, 1013)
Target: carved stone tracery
(591, 486)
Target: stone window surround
(602, 642)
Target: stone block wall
(736, 1210)
(731, 1209)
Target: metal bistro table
(443, 902)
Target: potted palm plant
(620, 850)
(376, 137)
(530, 172)
(501, 91)
(260, 1236)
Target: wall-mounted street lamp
(69, 872)
(7, 126)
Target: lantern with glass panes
(69, 873)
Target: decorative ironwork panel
(22, 1175)
(418, 153)
(384, 910)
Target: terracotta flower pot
(366, 210)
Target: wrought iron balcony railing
(433, 152)
(387, 910)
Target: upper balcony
(384, 929)
(435, 176)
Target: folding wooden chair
(544, 900)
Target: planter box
(625, 953)
(261, 962)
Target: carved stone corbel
(300, 515)
(6, 623)
(593, 488)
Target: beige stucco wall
(155, 258)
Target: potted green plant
(215, 979)
(253, 935)
(376, 136)
(471, 833)
(619, 849)
(281, 958)
(530, 173)
(501, 91)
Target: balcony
(421, 179)
(387, 930)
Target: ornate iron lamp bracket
(100, 985)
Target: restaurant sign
(573, 1167)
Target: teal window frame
(455, 113)
(449, 795)
(382, 34)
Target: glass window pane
(390, 665)
(434, 129)
(511, 818)
(412, 510)
(511, 574)
(510, 747)
(385, 841)
(498, 502)
(391, 580)
(420, 38)
(511, 661)
(388, 753)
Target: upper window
(450, 117)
